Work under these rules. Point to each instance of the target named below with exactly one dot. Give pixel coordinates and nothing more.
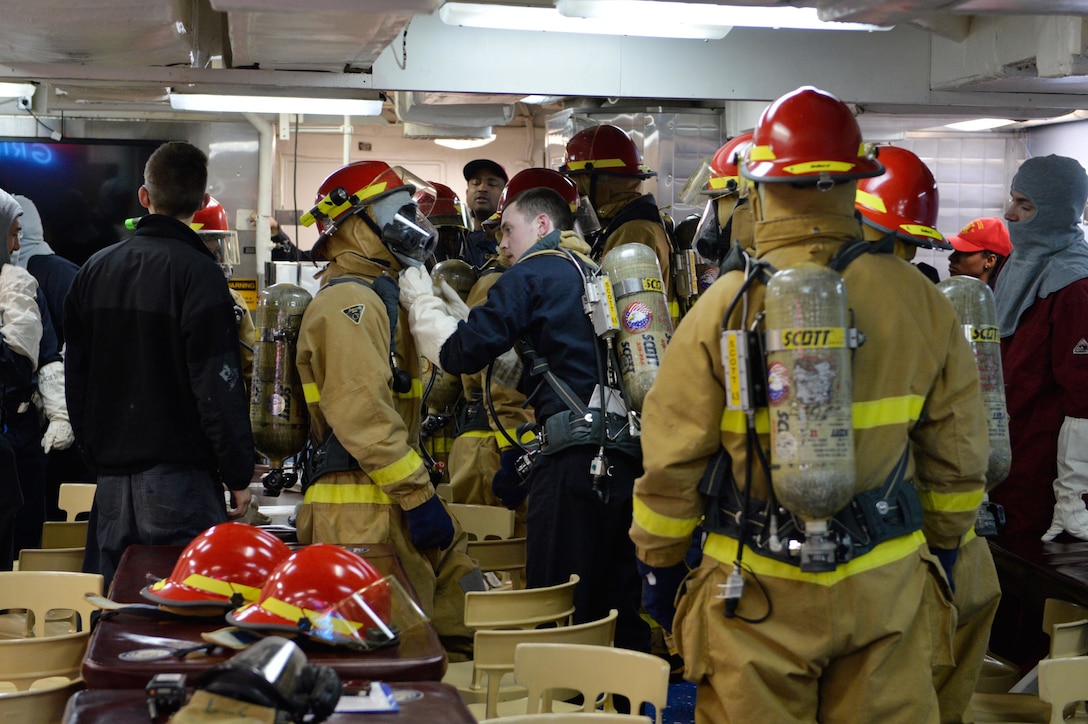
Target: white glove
(58, 436)
(1070, 513)
(430, 324)
(20, 318)
(454, 304)
(507, 369)
(414, 283)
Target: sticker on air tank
(637, 317)
(278, 404)
(778, 383)
(785, 447)
(815, 379)
(707, 278)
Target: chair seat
(517, 707)
(1010, 708)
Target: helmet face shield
(708, 239)
(224, 245)
(585, 218)
(409, 235)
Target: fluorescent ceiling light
(980, 124)
(510, 17)
(693, 14)
(275, 104)
(463, 144)
(638, 18)
(17, 90)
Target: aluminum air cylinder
(277, 407)
(809, 391)
(645, 323)
(974, 305)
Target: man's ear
(543, 225)
(145, 199)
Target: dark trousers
(25, 435)
(570, 530)
(11, 500)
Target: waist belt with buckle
(871, 518)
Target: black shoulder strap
(854, 248)
(643, 208)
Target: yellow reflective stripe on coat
(321, 621)
(504, 443)
(874, 413)
(416, 393)
(723, 549)
(398, 471)
(662, 526)
(311, 393)
(343, 493)
(950, 502)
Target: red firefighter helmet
(323, 591)
(903, 201)
(604, 149)
(350, 190)
(226, 565)
(532, 178)
(725, 175)
(210, 223)
(445, 206)
(808, 136)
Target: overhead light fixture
(980, 124)
(639, 18)
(463, 144)
(275, 104)
(17, 90)
(649, 12)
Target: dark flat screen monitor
(84, 189)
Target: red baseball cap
(986, 234)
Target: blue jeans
(168, 504)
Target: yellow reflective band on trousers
(662, 526)
(723, 549)
(416, 393)
(311, 393)
(874, 413)
(343, 493)
(950, 502)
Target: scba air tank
(809, 392)
(644, 320)
(974, 305)
(277, 408)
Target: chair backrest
(494, 651)
(76, 498)
(40, 591)
(1069, 639)
(1062, 682)
(67, 534)
(24, 661)
(51, 559)
(498, 555)
(1056, 611)
(43, 703)
(444, 491)
(594, 671)
(483, 521)
(524, 609)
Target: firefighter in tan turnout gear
(799, 613)
(360, 374)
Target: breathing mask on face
(402, 227)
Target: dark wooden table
(113, 659)
(420, 701)
(1030, 572)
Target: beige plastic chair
(495, 652)
(1067, 639)
(444, 491)
(24, 661)
(503, 557)
(66, 534)
(43, 703)
(524, 609)
(76, 498)
(41, 591)
(483, 521)
(1064, 682)
(575, 717)
(51, 559)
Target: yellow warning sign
(247, 288)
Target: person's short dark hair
(175, 177)
(543, 200)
